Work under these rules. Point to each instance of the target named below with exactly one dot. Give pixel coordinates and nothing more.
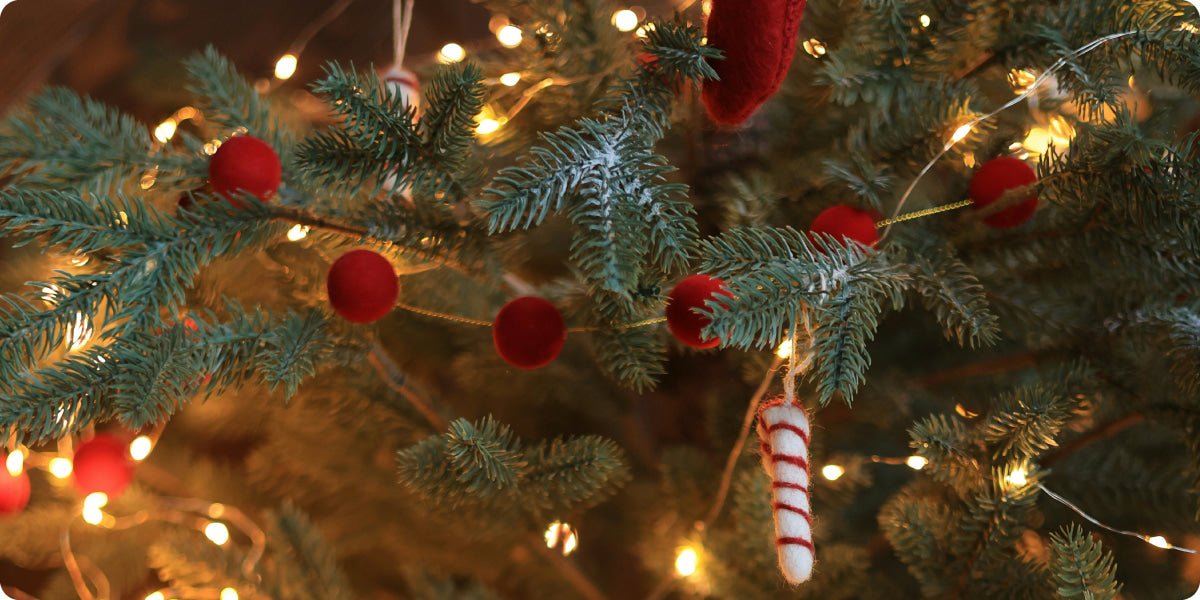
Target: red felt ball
(997, 176)
(103, 464)
(14, 492)
(362, 286)
(847, 222)
(529, 332)
(245, 164)
(691, 293)
(758, 38)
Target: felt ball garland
(362, 286)
(758, 38)
(245, 164)
(14, 492)
(103, 464)
(682, 320)
(783, 432)
(997, 176)
(529, 332)
(847, 223)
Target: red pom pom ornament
(684, 323)
(758, 38)
(997, 176)
(103, 464)
(847, 223)
(362, 286)
(529, 332)
(14, 492)
(245, 164)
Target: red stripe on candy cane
(789, 427)
(793, 541)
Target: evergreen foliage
(1082, 568)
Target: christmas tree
(742, 299)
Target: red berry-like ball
(245, 164)
(997, 176)
(14, 492)
(362, 286)
(529, 332)
(684, 323)
(103, 464)
(847, 223)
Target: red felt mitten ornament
(684, 323)
(758, 38)
(245, 164)
(997, 176)
(14, 492)
(362, 286)
(103, 464)
(529, 332)
(847, 223)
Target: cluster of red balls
(101, 464)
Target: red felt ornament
(691, 293)
(14, 492)
(758, 38)
(245, 164)
(997, 176)
(103, 464)
(362, 286)
(529, 332)
(847, 223)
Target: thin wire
(438, 315)
(402, 11)
(626, 326)
(327, 17)
(925, 213)
(1140, 536)
(1037, 83)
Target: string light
(925, 21)
(165, 131)
(1158, 541)
(285, 67)
(156, 596)
(785, 349)
(1018, 477)
(561, 534)
(509, 36)
(217, 533)
(229, 594)
(961, 133)
(297, 233)
(15, 462)
(451, 53)
(487, 126)
(510, 79)
(1022, 79)
(625, 20)
(814, 47)
(916, 463)
(686, 561)
(60, 467)
(832, 472)
(140, 448)
(92, 504)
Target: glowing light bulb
(165, 131)
(140, 448)
(961, 133)
(95, 501)
(297, 233)
(561, 533)
(285, 67)
(451, 53)
(625, 20)
(510, 79)
(832, 472)
(925, 21)
(487, 126)
(916, 463)
(509, 36)
(156, 596)
(959, 408)
(785, 349)
(60, 467)
(15, 462)
(1017, 477)
(686, 561)
(814, 47)
(217, 533)
(229, 594)
(1158, 541)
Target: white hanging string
(402, 11)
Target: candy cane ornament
(783, 432)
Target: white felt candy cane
(783, 432)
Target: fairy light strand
(1157, 541)
(481, 323)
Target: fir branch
(486, 456)
(231, 103)
(1081, 567)
(1024, 423)
(951, 291)
(919, 530)
(636, 357)
(573, 474)
(946, 444)
(308, 566)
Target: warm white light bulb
(451, 53)
(559, 532)
(92, 514)
(925, 21)
(832, 472)
(156, 596)
(916, 463)
(487, 126)
(1158, 541)
(1017, 477)
(217, 533)
(285, 67)
(510, 79)
(15, 462)
(297, 233)
(625, 20)
(509, 36)
(60, 467)
(961, 133)
(685, 563)
(229, 594)
(140, 448)
(785, 349)
(165, 131)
